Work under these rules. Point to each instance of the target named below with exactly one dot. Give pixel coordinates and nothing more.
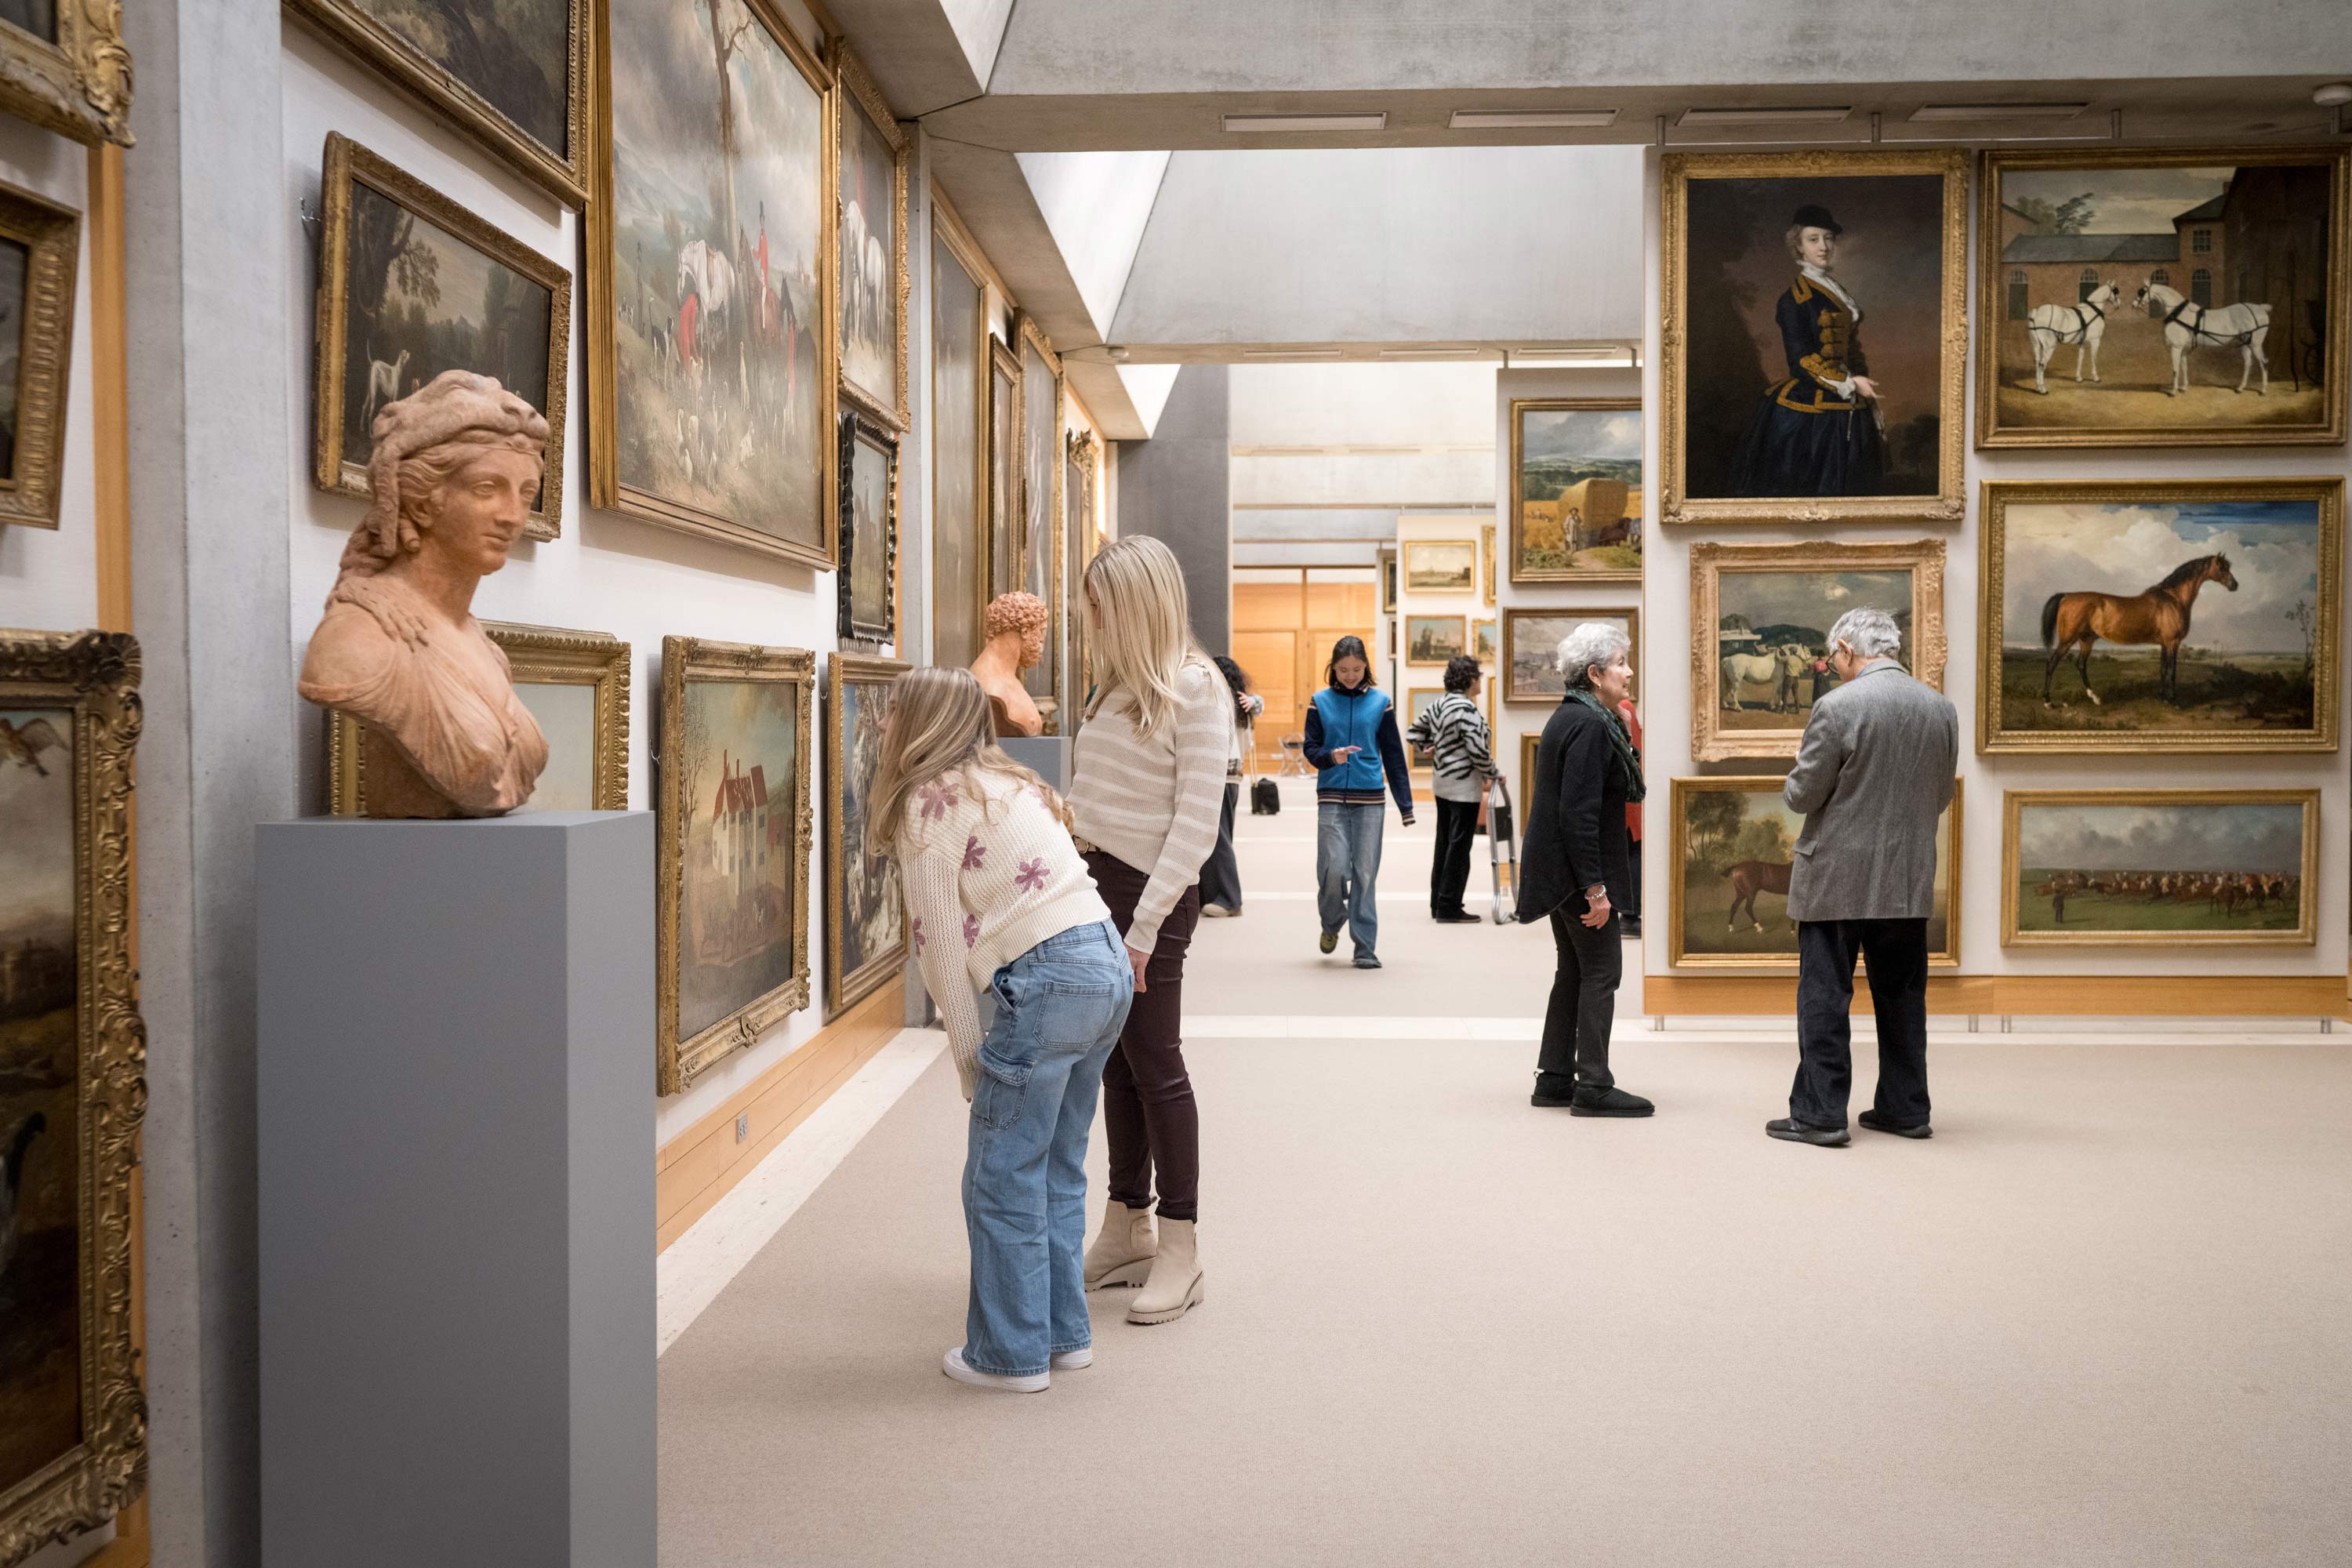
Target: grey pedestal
(456, 1225)
(1047, 756)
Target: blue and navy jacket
(1359, 717)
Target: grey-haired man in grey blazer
(1872, 775)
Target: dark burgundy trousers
(1149, 1116)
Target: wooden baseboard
(698, 1168)
(2031, 996)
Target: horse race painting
(2164, 867)
(1575, 491)
(1732, 847)
(710, 315)
(1760, 622)
(2169, 298)
(1814, 319)
(2188, 615)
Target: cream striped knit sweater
(1154, 802)
(990, 873)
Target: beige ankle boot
(1174, 1288)
(1123, 1248)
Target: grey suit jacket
(1872, 776)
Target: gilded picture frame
(2004, 294)
(562, 171)
(1712, 560)
(1001, 422)
(876, 619)
(859, 97)
(32, 474)
(959, 542)
(1083, 455)
(607, 486)
(1521, 545)
(77, 84)
(84, 685)
(2198, 895)
(346, 165)
(1683, 863)
(1043, 434)
(1438, 628)
(1528, 661)
(1430, 568)
(2091, 620)
(845, 986)
(1530, 743)
(1487, 562)
(1678, 172)
(536, 655)
(1388, 565)
(684, 1053)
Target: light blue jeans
(1059, 1010)
(1347, 865)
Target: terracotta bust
(1015, 632)
(456, 472)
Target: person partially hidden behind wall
(1873, 775)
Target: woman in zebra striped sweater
(1456, 732)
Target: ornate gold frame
(1678, 856)
(1992, 523)
(679, 1062)
(858, 427)
(1923, 558)
(1000, 521)
(1391, 578)
(859, 95)
(606, 487)
(947, 234)
(843, 992)
(80, 85)
(1412, 663)
(51, 236)
(96, 676)
(1530, 741)
(1494, 635)
(1676, 171)
(346, 24)
(348, 163)
(1520, 408)
(1028, 335)
(538, 656)
(1487, 562)
(1081, 453)
(2012, 809)
(1411, 545)
(1990, 311)
(1506, 651)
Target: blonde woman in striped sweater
(1149, 775)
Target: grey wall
(1175, 488)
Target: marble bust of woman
(454, 472)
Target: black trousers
(1632, 909)
(1895, 952)
(1221, 876)
(1583, 1003)
(1449, 865)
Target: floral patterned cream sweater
(990, 873)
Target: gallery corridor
(2083, 1325)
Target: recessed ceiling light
(1437, 353)
(1816, 115)
(1243, 124)
(1934, 111)
(2333, 93)
(1572, 353)
(1290, 353)
(1516, 119)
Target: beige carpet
(2100, 1318)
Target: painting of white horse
(2188, 325)
(872, 244)
(2085, 325)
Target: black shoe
(1591, 1100)
(1459, 918)
(1553, 1093)
(1877, 1123)
(1367, 959)
(1797, 1132)
(1330, 940)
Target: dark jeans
(1449, 866)
(1896, 954)
(1149, 1115)
(1632, 909)
(1221, 876)
(1583, 1003)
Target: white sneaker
(956, 1367)
(1071, 1360)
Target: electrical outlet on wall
(743, 1126)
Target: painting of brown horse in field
(1749, 877)
(2072, 622)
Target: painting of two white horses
(718, 296)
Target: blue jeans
(1059, 1010)
(1347, 864)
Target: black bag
(1265, 800)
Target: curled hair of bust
(419, 441)
(1591, 643)
(1014, 612)
(1871, 632)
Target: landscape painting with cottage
(739, 757)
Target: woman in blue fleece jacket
(1352, 740)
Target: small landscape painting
(866, 925)
(1576, 504)
(871, 245)
(869, 532)
(1441, 565)
(1432, 639)
(2098, 867)
(1482, 642)
(1531, 648)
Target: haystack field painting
(1576, 504)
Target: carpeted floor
(2099, 1319)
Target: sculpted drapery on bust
(1014, 631)
(456, 470)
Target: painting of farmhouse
(1733, 847)
(2141, 298)
(2183, 616)
(718, 221)
(2103, 867)
(1575, 503)
(40, 1311)
(739, 753)
(1772, 640)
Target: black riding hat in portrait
(1818, 432)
